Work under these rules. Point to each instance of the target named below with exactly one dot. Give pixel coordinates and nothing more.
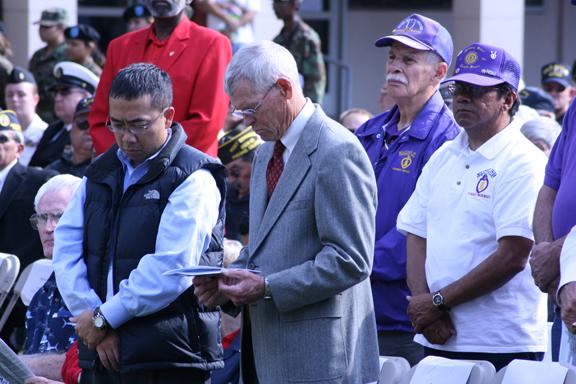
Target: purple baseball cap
(485, 65)
(423, 33)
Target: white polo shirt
(463, 203)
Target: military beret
(75, 75)
(20, 75)
(82, 32)
(136, 11)
(9, 121)
(236, 143)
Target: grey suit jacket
(314, 242)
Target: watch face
(437, 299)
(98, 322)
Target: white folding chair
(31, 279)
(535, 372)
(438, 370)
(9, 268)
(392, 369)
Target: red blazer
(195, 58)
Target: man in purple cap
(468, 224)
(399, 142)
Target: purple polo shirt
(561, 176)
(397, 166)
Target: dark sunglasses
(474, 91)
(4, 139)
(82, 125)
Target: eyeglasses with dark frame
(251, 112)
(4, 139)
(135, 129)
(38, 220)
(474, 91)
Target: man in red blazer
(194, 57)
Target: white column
(495, 22)
(19, 18)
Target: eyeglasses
(41, 219)
(82, 125)
(471, 90)
(133, 128)
(4, 139)
(250, 112)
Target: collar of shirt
(491, 148)
(180, 32)
(133, 174)
(5, 171)
(420, 126)
(295, 129)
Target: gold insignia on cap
(471, 57)
(4, 120)
(21, 76)
(58, 74)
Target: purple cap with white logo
(423, 33)
(486, 65)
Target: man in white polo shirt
(468, 225)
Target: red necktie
(275, 167)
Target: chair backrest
(392, 369)
(9, 268)
(31, 279)
(533, 372)
(438, 370)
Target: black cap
(537, 98)
(136, 11)
(556, 73)
(84, 105)
(82, 32)
(20, 75)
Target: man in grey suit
(308, 313)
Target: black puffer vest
(124, 226)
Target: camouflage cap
(53, 16)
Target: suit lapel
(11, 185)
(294, 173)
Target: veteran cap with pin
(236, 143)
(9, 121)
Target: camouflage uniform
(304, 44)
(41, 65)
(92, 66)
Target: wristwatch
(267, 290)
(438, 301)
(98, 320)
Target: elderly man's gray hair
(261, 65)
(542, 128)
(55, 184)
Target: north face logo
(152, 195)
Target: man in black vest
(148, 205)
